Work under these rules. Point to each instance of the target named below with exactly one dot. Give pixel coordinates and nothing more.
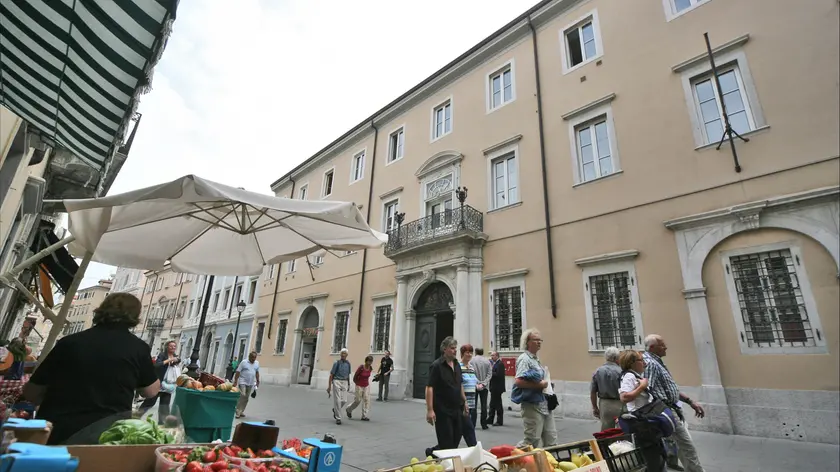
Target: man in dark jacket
(497, 388)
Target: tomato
(193, 466)
(219, 465)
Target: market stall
(201, 227)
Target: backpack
(656, 413)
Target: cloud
(243, 94)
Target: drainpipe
(369, 205)
(544, 172)
(276, 282)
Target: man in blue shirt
(339, 384)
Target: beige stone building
(600, 210)
(80, 316)
(165, 298)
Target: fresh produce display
(186, 381)
(300, 449)
(248, 453)
(526, 463)
(218, 466)
(135, 432)
(270, 465)
(429, 465)
(577, 461)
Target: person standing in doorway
(497, 388)
(663, 387)
(446, 403)
(603, 390)
(386, 366)
(483, 371)
(339, 384)
(247, 377)
(362, 380)
(537, 420)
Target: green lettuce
(135, 432)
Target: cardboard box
(29, 431)
(140, 458)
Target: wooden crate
(457, 465)
(511, 463)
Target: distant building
(80, 316)
(164, 305)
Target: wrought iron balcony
(450, 224)
(156, 323)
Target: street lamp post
(240, 307)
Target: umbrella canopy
(203, 227)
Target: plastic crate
(631, 461)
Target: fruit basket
(532, 461)
(207, 378)
(447, 464)
(169, 458)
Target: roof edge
(544, 6)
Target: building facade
(635, 221)
(225, 333)
(164, 306)
(131, 281)
(80, 316)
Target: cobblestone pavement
(398, 431)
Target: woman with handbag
(362, 380)
(633, 392)
(168, 369)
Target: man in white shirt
(248, 378)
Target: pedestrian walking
(634, 393)
(537, 420)
(247, 377)
(483, 370)
(362, 395)
(603, 390)
(497, 388)
(167, 368)
(446, 404)
(386, 366)
(339, 384)
(663, 387)
(469, 382)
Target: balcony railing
(464, 220)
(156, 323)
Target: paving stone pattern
(398, 431)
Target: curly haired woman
(89, 378)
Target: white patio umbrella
(200, 227)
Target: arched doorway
(433, 322)
(309, 321)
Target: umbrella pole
(58, 325)
(192, 369)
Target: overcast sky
(244, 94)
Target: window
(259, 341)
(507, 318)
(237, 294)
(500, 87)
(382, 328)
(389, 216)
(252, 291)
(710, 111)
(612, 304)
(594, 145)
(582, 42)
(216, 301)
(771, 300)
(675, 8)
(442, 120)
(292, 267)
(302, 192)
(358, 167)
(505, 180)
(227, 298)
(192, 305)
(594, 150)
(328, 183)
(317, 260)
(342, 320)
(396, 145)
(271, 269)
(280, 342)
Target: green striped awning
(74, 69)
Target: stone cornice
(380, 296)
(609, 257)
(589, 106)
(704, 57)
(312, 297)
(498, 146)
(506, 273)
(749, 212)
